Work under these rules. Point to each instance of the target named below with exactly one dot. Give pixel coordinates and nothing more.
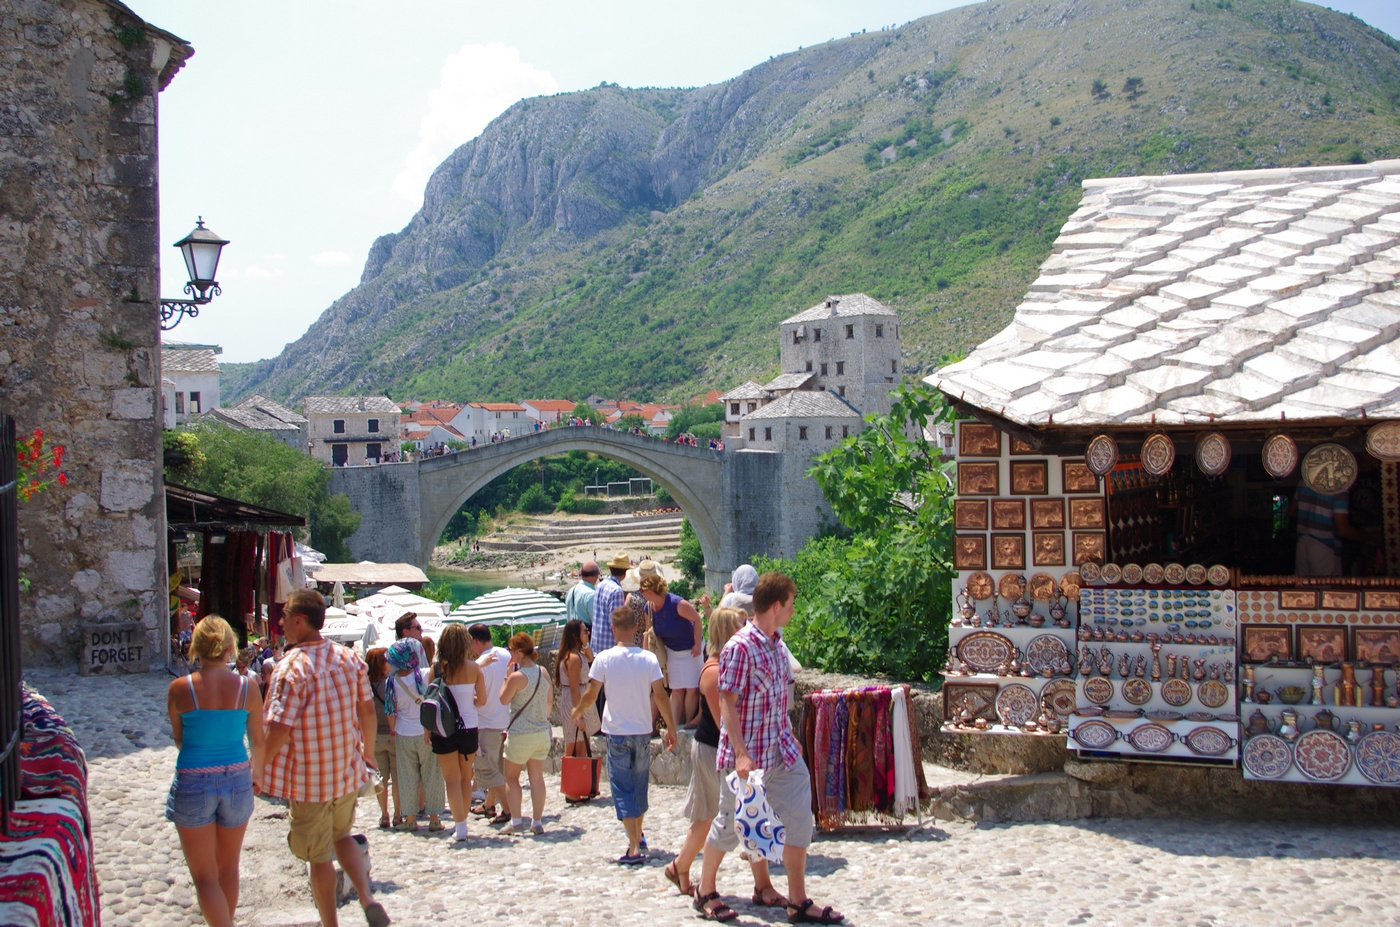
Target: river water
(468, 584)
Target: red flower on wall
(40, 465)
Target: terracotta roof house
(549, 411)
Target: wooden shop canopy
(193, 508)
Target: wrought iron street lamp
(200, 249)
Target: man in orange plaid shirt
(319, 704)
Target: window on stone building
(796, 338)
(845, 431)
(879, 331)
(338, 426)
(816, 335)
(840, 368)
(194, 402)
(802, 432)
(809, 366)
(828, 432)
(841, 390)
(850, 332)
(751, 434)
(894, 366)
(179, 403)
(340, 454)
(768, 434)
(373, 428)
(372, 451)
(823, 369)
(733, 408)
(753, 407)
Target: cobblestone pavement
(1073, 872)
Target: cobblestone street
(1141, 872)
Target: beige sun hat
(632, 581)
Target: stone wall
(79, 312)
(388, 497)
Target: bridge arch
(693, 476)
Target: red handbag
(579, 775)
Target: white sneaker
(537, 828)
(512, 829)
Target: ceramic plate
(1208, 741)
(1111, 572)
(1266, 756)
(1046, 654)
(1196, 574)
(1095, 735)
(1378, 757)
(1225, 717)
(1218, 575)
(1176, 692)
(1098, 689)
(984, 651)
(1158, 454)
(1174, 573)
(1137, 691)
(1153, 573)
(1213, 454)
(1213, 693)
(1322, 755)
(1132, 574)
(1123, 714)
(1090, 572)
(1150, 738)
(1160, 714)
(1059, 696)
(1200, 716)
(1280, 456)
(1016, 704)
(1088, 711)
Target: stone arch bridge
(741, 503)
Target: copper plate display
(1267, 756)
(1196, 574)
(1158, 454)
(1213, 693)
(1111, 573)
(1088, 711)
(985, 651)
(1069, 591)
(1280, 456)
(1213, 454)
(1011, 585)
(1328, 469)
(1046, 654)
(1090, 572)
(1322, 755)
(1059, 698)
(980, 586)
(1200, 716)
(1218, 575)
(1123, 714)
(1176, 692)
(1174, 573)
(1208, 741)
(1383, 441)
(1098, 689)
(1101, 455)
(1161, 714)
(1072, 578)
(1042, 587)
(1137, 691)
(1132, 574)
(1017, 704)
(1150, 738)
(1095, 735)
(1378, 757)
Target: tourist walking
(633, 678)
(491, 720)
(319, 752)
(466, 682)
(571, 672)
(579, 602)
(528, 736)
(676, 623)
(383, 737)
(211, 797)
(607, 598)
(754, 675)
(702, 798)
(413, 754)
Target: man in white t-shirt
(491, 720)
(633, 678)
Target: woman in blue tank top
(211, 798)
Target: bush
(690, 559)
(535, 500)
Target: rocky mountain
(647, 241)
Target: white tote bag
(758, 827)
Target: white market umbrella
(343, 627)
(510, 607)
(338, 594)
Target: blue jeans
(223, 797)
(629, 773)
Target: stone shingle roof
(788, 381)
(337, 405)
(746, 390)
(175, 358)
(851, 304)
(1246, 296)
(271, 408)
(806, 404)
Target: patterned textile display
(884, 755)
(1390, 510)
(860, 753)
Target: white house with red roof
(548, 411)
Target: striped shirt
(317, 689)
(606, 600)
(755, 667)
(1317, 516)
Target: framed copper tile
(1008, 514)
(1383, 600)
(969, 551)
(1346, 600)
(1047, 548)
(1030, 477)
(1380, 646)
(1008, 551)
(979, 479)
(978, 699)
(1320, 643)
(978, 440)
(1089, 547)
(1260, 643)
(1021, 448)
(970, 515)
(1077, 478)
(1088, 514)
(1047, 513)
(1297, 598)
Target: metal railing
(11, 717)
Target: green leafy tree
(629, 421)
(691, 418)
(584, 411)
(1133, 87)
(690, 558)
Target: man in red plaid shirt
(754, 674)
(319, 706)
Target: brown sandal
(802, 914)
(722, 913)
(779, 900)
(672, 873)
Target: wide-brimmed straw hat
(620, 561)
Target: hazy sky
(303, 130)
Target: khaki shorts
(702, 798)
(384, 756)
(488, 758)
(789, 794)
(317, 825)
(522, 748)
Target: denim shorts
(629, 773)
(222, 796)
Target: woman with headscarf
(413, 754)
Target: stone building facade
(850, 344)
(192, 372)
(351, 430)
(79, 314)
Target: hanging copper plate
(1213, 454)
(1042, 587)
(1011, 585)
(1101, 455)
(1069, 591)
(1072, 578)
(1280, 456)
(1383, 441)
(1329, 469)
(980, 586)
(1158, 454)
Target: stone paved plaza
(1074, 872)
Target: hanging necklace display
(1213, 454)
(1383, 442)
(1280, 456)
(1329, 469)
(1101, 455)
(1158, 454)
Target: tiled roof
(805, 404)
(746, 390)
(415, 435)
(1246, 296)
(499, 406)
(551, 405)
(845, 306)
(274, 409)
(335, 405)
(176, 358)
(788, 381)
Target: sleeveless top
(213, 737)
(675, 632)
(464, 693)
(706, 729)
(535, 717)
(582, 674)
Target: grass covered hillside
(646, 242)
